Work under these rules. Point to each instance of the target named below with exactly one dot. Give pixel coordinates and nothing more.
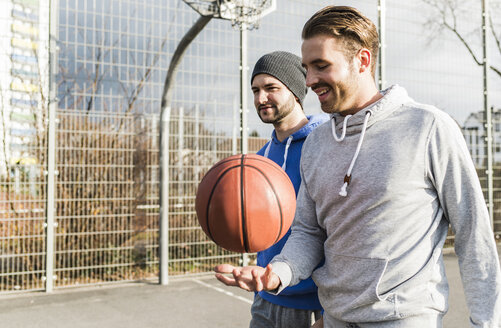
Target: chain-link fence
(112, 58)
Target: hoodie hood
(393, 98)
(301, 134)
(287, 153)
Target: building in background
(23, 85)
(474, 133)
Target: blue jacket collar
(313, 122)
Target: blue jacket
(303, 295)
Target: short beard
(280, 113)
(343, 90)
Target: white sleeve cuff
(284, 272)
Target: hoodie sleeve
(304, 250)
(455, 179)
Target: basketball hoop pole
(164, 145)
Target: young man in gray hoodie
(380, 186)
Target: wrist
(284, 273)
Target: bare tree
(452, 16)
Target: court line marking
(243, 299)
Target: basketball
(245, 203)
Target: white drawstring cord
(347, 177)
(333, 125)
(289, 140)
(267, 151)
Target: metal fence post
(180, 158)
(234, 146)
(197, 141)
(164, 196)
(487, 110)
(243, 103)
(51, 150)
(381, 8)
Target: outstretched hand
(250, 278)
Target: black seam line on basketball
(277, 168)
(210, 198)
(276, 196)
(224, 161)
(242, 204)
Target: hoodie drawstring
(347, 177)
(267, 151)
(289, 140)
(343, 134)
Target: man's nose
(311, 78)
(261, 97)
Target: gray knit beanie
(285, 67)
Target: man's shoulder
(263, 149)
(321, 132)
(316, 120)
(431, 113)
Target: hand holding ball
(245, 203)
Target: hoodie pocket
(347, 283)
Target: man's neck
(293, 122)
(369, 96)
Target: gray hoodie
(383, 232)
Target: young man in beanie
(279, 87)
(381, 183)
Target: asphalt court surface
(195, 302)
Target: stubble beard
(341, 92)
(279, 112)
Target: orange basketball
(245, 203)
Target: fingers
(270, 280)
(228, 281)
(268, 273)
(234, 276)
(250, 278)
(264, 280)
(224, 268)
(258, 283)
(241, 281)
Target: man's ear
(364, 58)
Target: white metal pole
(243, 102)
(487, 109)
(382, 43)
(234, 137)
(164, 196)
(180, 149)
(51, 149)
(196, 140)
(243, 89)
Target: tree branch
(447, 10)
(497, 71)
(496, 38)
(463, 41)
